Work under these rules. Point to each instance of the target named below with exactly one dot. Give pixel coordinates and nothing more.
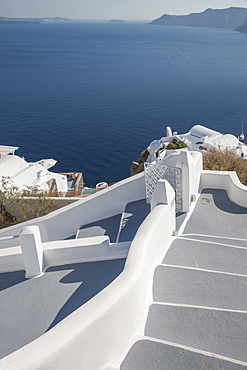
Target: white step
(199, 288)
(224, 240)
(147, 354)
(218, 331)
(207, 255)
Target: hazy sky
(107, 9)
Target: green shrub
(176, 144)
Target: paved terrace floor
(31, 307)
(198, 317)
(121, 227)
(216, 214)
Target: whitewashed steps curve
(198, 319)
(148, 354)
(222, 332)
(207, 255)
(224, 240)
(199, 288)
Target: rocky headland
(243, 28)
(7, 20)
(216, 18)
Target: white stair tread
(200, 288)
(146, 354)
(206, 255)
(210, 330)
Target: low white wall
(63, 252)
(226, 180)
(65, 222)
(92, 249)
(101, 331)
(9, 241)
(11, 259)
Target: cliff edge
(213, 18)
(243, 28)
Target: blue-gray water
(93, 95)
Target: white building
(198, 138)
(22, 174)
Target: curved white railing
(226, 180)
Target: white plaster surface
(228, 181)
(101, 325)
(32, 250)
(198, 318)
(29, 308)
(156, 355)
(220, 332)
(65, 222)
(213, 254)
(213, 322)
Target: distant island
(116, 20)
(7, 20)
(215, 18)
(243, 28)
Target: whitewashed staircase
(198, 318)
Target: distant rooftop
(5, 150)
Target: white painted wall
(28, 176)
(195, 173)
(190, 163)
(59, 253)
(32, 251)
(100, 332)
(65, 222)
(11, 259)
(227, 180)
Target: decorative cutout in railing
(155, 172)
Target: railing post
(32, 251)
(164, 193)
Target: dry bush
(21, 205)
(216, 160)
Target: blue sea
(94, 95)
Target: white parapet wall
(226, 180)
(98, 334)
(35, 257)
(65, 222)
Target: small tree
(22, 205)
